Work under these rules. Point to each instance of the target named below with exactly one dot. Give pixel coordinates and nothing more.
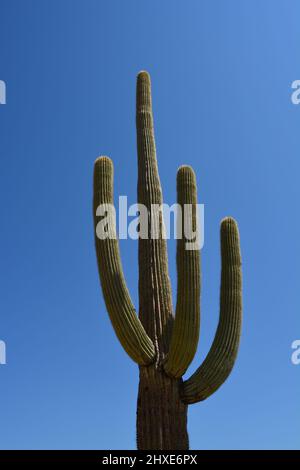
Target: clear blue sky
(221, 74)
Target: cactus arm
(221, 357)
(185, 333)
(122, 314)
(155, 309)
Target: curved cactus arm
(126, 324)
(221, 357)
(155, 309)
(185, 333)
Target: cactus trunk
(161, 414)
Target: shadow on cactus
(161, 343)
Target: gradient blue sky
(221, 75)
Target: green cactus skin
(184, 339)
(220, 360)
(164, 346)
(154, 283)
(119, 305)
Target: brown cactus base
(161, 414)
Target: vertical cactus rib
(185, 333)
(126, 324)
(221, 357)
(154, 284)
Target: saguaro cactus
(163, 345)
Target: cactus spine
(163, 345)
